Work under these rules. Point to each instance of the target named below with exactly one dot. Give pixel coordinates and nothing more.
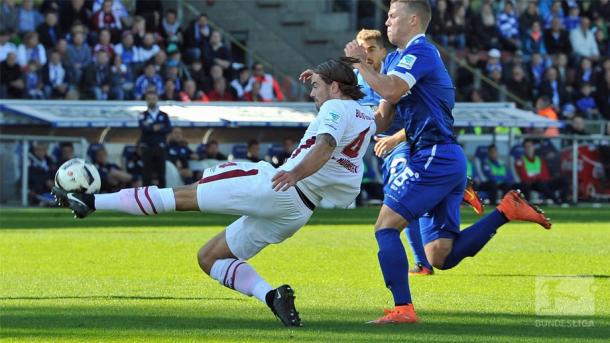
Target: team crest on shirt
(407, 61)
(332, 119)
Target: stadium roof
(226, 114)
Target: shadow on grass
(35, 218)
(105, 321)
(118, 297)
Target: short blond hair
(365, 35)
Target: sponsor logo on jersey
(362, 115)
(407, 61)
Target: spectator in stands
(122, 80)
(130, 54)
(169, 91)
(519, 85)
(118, 9)
(56, 77)
(442, 25)
(183, 70)
(151, 11)
(170, 27)
(41, 172)
(31, 50)
(149, 48)
(171, 73)
(138, 29)
(212, 152)
(179, 153)
(220, 92)
(491, 93)
(242, 84)
(29, 17)
(508, 26)
(585, 73)
(602, 97)
(49, 32)
(535, 176)
(529, 16)
(270, 89)
(11, 82)
(191, 93)
(572, 20)
(159, 61)
(196, 38)
(583, 41)
(218, 53)
(199, 75)
(155, 125)
(50, 5)
(33, 82)
(66, 152)
(534, 41)
(557, 39)
(9, 16)
(586, 103)
(536, 69)
(254, 94)
(576, 127)
(72, 13)
(104, 43)
(97, 78)
(556, 12)
(498, 175)
(79, 55)
(150, 78)
(253, 151)
(483, 33)
(464, 78)
(113, 177)
(545, 109)
(493, 61)
(6, 47)
(552, 88)
(104, 19)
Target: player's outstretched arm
(315, 159)
(384, 116)
(389, 87)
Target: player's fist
(384, 145)
(283, 180)
(353, 49)
(306, 75)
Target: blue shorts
(431, 185)
(394, 163)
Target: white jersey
(339, 179)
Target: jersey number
(352, 149)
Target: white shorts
(244, 188)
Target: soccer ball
(77, 175)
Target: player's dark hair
(252, 142)
(421, 8)
(341, 71)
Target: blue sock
(474, 238)
(414, 237)
(394, 264)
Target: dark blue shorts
(431, 185)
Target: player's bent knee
(437, 252)
(206, 259)
(389, 219)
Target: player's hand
(306, 75)
(353, 49)
(283, 180)
(384, 145)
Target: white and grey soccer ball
(78, 175)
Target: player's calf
(437, 251)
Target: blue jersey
(426, 109)
(371, 98)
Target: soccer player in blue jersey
(415, 84)
(392, 147)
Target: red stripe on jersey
(234, 272)
(149, 200)
(139, 203)
(308, 143)
(229, 175)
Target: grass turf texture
(113, 277)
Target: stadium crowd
(98, 50)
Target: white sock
(138, 201)
(240, 276)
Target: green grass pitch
(113, 277)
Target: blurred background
(532, 83)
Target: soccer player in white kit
(273, 203)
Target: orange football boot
(398, 315)
(515, 207)
(420, 269)
(472, 198)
